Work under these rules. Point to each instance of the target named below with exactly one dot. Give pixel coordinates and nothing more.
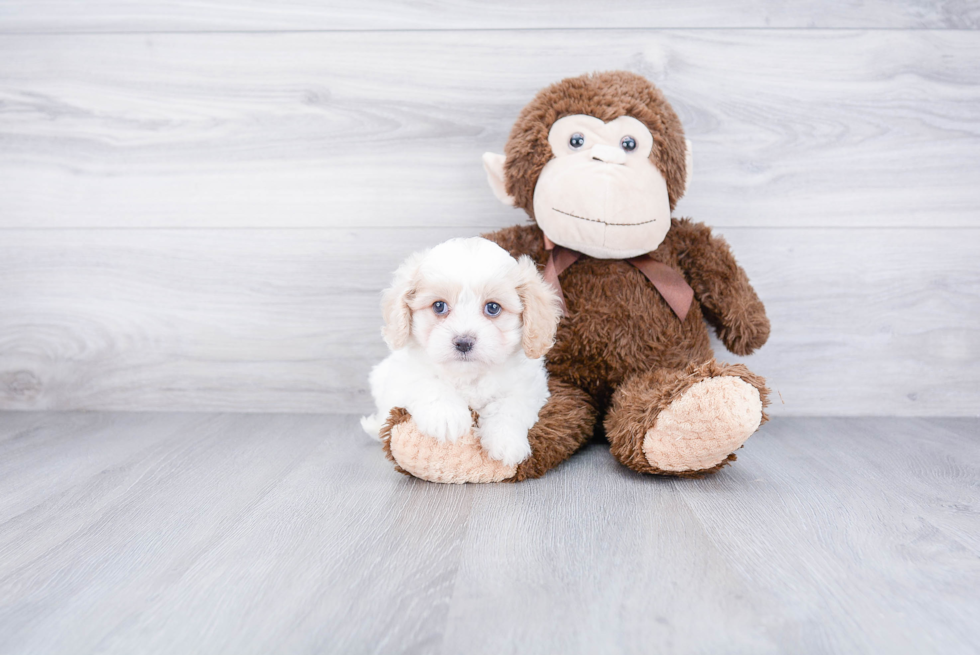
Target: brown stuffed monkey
(598, 162)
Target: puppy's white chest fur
(483, 388)
(507, 397)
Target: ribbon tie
(671, 284)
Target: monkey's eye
(577, 141)
(440, 307)
(628, 143)
(491, 309)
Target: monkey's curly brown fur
(619, 329)
(569, 414)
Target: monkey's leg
(564, 424)
(685, 421)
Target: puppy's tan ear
(395, 302)
(542, 309)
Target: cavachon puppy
(468, 326)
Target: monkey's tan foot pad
(705, 425)
(415, 453)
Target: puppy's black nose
(464, 343)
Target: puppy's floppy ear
(542, 309)
(394, 302)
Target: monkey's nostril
(464, 344)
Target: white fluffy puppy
(468, 325)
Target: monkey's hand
(745, 333)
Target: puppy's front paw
(505, 441)
(443, 422)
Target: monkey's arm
(728, 301)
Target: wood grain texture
(267, 15)
(802, 128)
(282, 533)
(876, 322)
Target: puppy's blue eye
(440, 307)
(491, 309)
(577, 141)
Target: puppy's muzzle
(464, 343)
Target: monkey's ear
(688, 164)
(493, 164)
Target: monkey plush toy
(598, 162)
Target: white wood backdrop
(199, 202)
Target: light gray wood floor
(186, 533)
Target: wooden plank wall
(199, 203)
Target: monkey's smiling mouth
(595, 220)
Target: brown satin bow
(671, 284)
